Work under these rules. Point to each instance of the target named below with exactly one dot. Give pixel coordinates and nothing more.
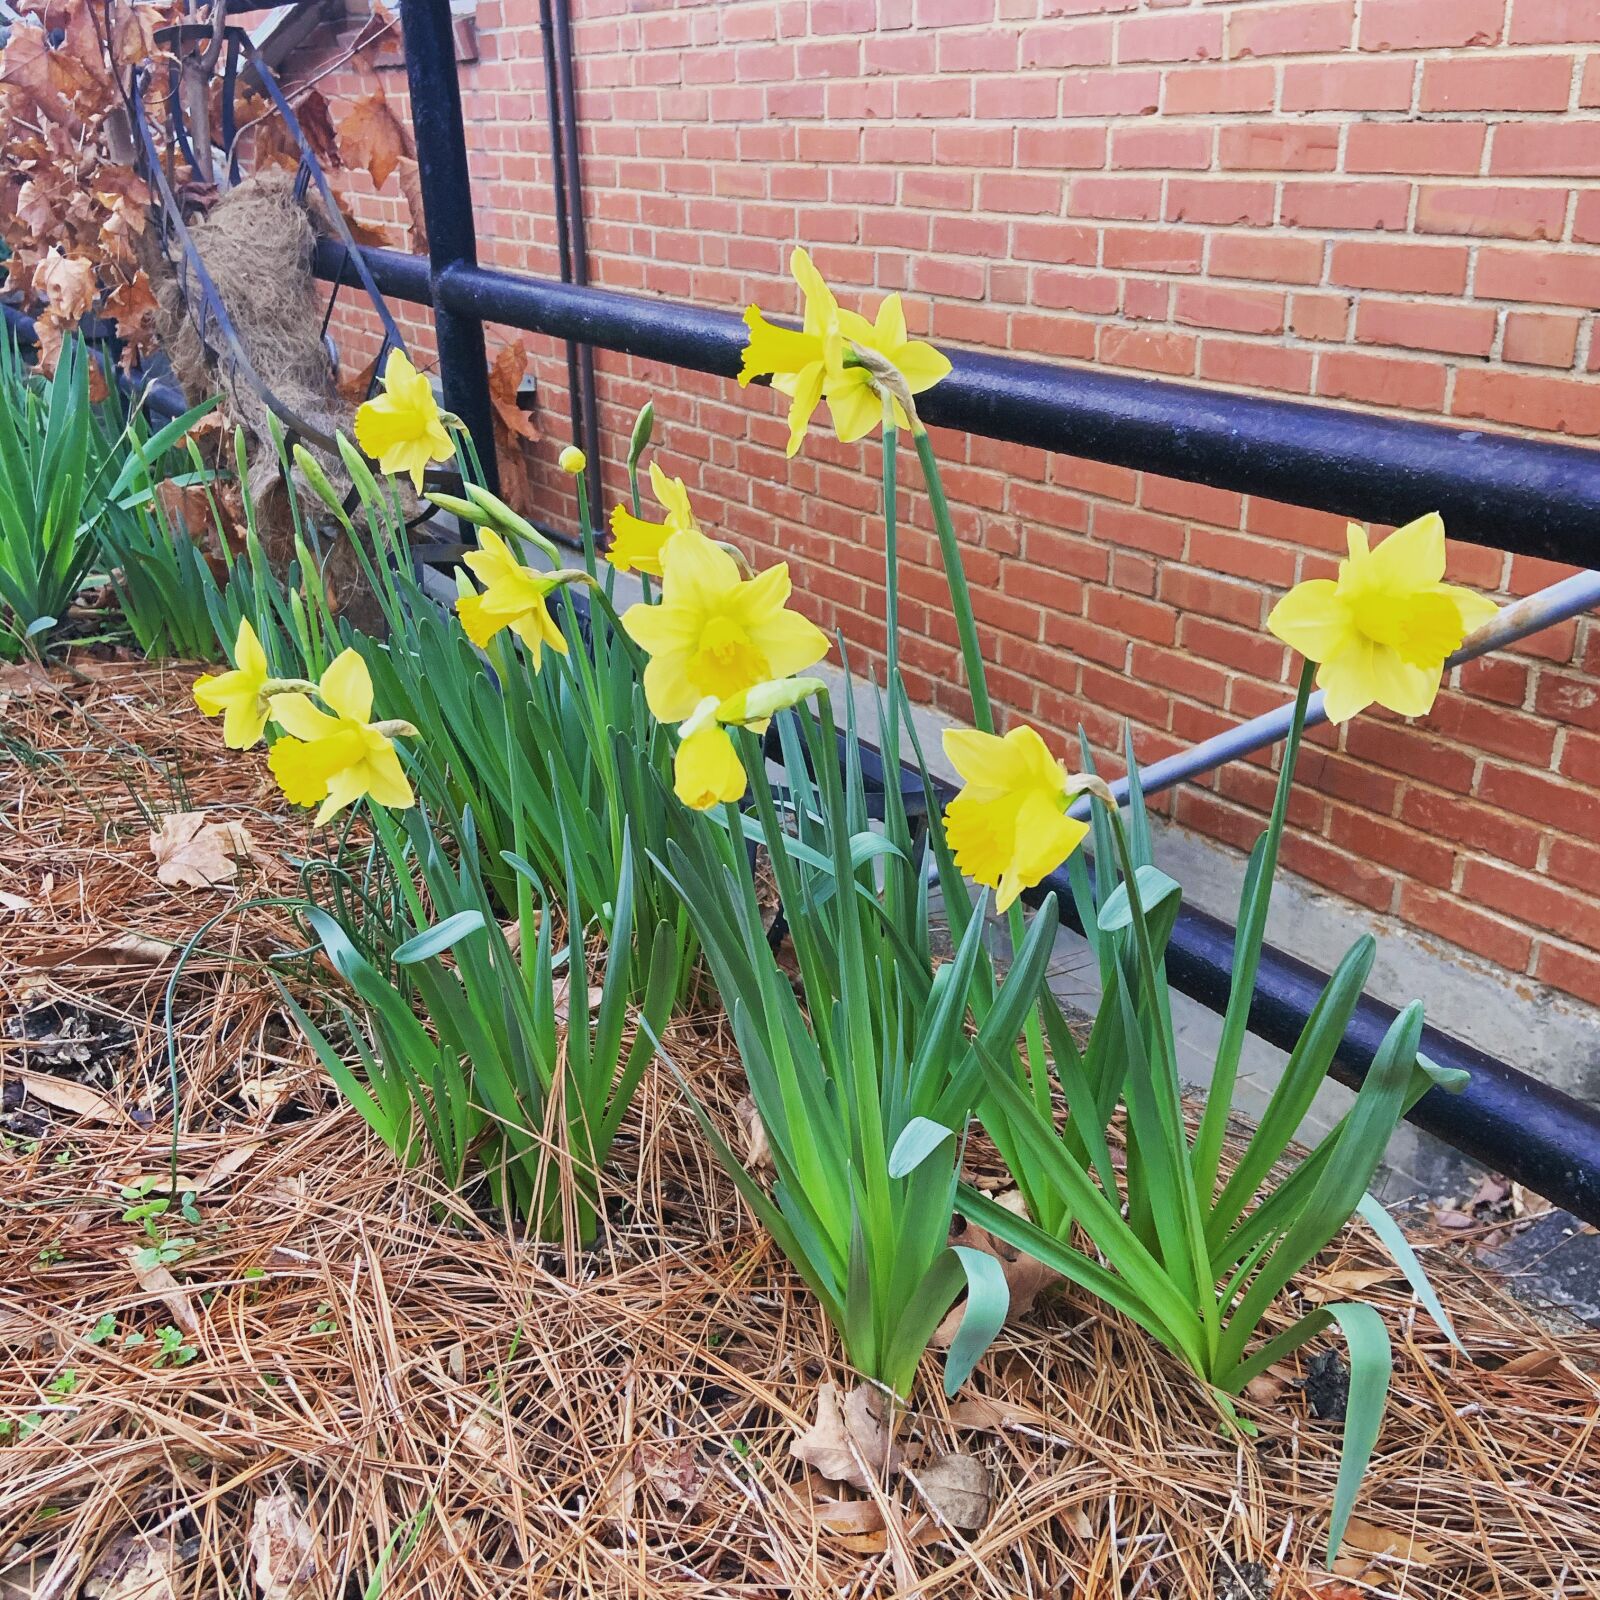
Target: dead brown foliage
(371, 1355)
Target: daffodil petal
(346, 686)
(707, 770)
(296, 715)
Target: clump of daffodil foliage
(546, 736)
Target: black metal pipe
(446, 183)
(566, 73)
(1531, 496)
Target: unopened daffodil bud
(572, 460)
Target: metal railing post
(447, 214)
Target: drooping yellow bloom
(853, 400)
(714, 633)
(402, 429)
(1008, 828)
(239, 697)
(1381, 632)
(707, 769)
(635, 543)
(513, 597)
(797, 362)
(333, 760)
(816, 362)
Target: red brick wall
(1392, 203)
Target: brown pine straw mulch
(373, 1360)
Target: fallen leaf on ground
(1368, 1539)
(158, 1281)
(558, 991)
(1339, 1285)
(65, 1095)
(846, 1517)
(282, 1547)
(224, 1167)
(985, 1415)
(850, 1441)
(193, 853)
(1025, 1277)
(957, 1486)
(1533, 1363)
(124, 950)
(14, 902)
(134, 1567)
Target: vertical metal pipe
(558, 184)
(446, 183)
(566, 68)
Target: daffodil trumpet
(708, 769)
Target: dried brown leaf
(370, 136)
(958, 1487)
(64, 1095)
(193, 853)
(282, 1548)
(850, 1441)
(134, 1567)
(1351, 1281)
(158, 1281)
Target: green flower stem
(586, 527)
(1248, 936)
(960, 594)
(891, 582)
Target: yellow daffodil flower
(715, 633)
(852, 393)
(818, 362)
(1009, 828)
(707, 769)
(240, 697)
(333, 760)
(1381, 632)
(403, 429)
(797, 362)
(635, 543)
(513, 597)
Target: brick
(1522, 400)
(1568, 698)
(1059, 148)
(1586, 217)
(1505, 835)
(1029, 193)
(1221, 202)
(1380, 380)
(1347, 86)
(1116, 199)
(1428, 25)
(1497, 678)
(1063, 44)
(1153, 250)
(1335, 869)
(1369, 206)
(1391, 844)
(1589, 88)
(1580, 759)
(1171, 149)
(1076, 291)
(1246, 650)
(1540, 339)
(1399, 268)
(1320, 316)
(1545, 799)
(1137, 530)
(1279, 147)
(1547, 277)
(1571, 970)
(1554, 22)
(1287, 30)
(1215, 91)
(1507, 733)
(1273, 260)
(1433, 149)
(1496, 83)
(1194, 36)
(1059, 243)
(1192, 592)
(1131, 615)
(1240, 310)
(1568, 148)
(1491, 212)
(1462, 330)
(1010, 99)
(1496, 940)
(1110, 94)
(1148, 350)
